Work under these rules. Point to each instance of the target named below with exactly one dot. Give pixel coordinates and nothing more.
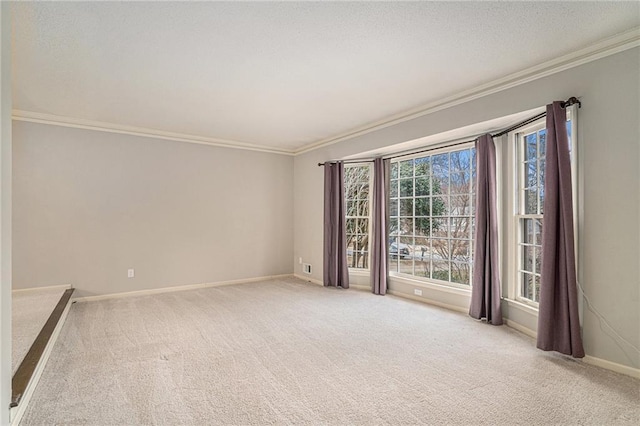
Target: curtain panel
(558, 321)
(485, 291)
(335, 268)
(379, 270)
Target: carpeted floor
(287, 352)
(29, 312)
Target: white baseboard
(360, 287)
(318, 282)
(308, 279)
(598, 362)
(613, 366)
(522, 329)
(428, 301)
(18, 412)
(176, 288)
(32, 289)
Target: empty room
(332, 213)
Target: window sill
(522, 306)
(430, 285)
(359, 272)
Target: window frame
(520, 215)
(472, 193)
(369, 165)
(516, 139)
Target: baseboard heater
(29, 365)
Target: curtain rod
(571, 101)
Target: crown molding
(609, 46)
(80, 123)
(601, 49)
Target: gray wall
(88, 205)
(5, 212)
(609, 231)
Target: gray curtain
(485, 291)
(558, 323)
(379, 272)
(335, 269)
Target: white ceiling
(282, 75)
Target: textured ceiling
(281, 75)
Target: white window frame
(516, 138)
(434, 152)
(369, 165)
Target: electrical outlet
(300, 260)
(131, 273)
(417, 292)
(306, 268)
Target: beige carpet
(287, 352)
(29, 312)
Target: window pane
(406, 226)
(393, 207)
(423, 225)
(532, 231)
(406, 266)
(393, 261)
(440, 270)
(393, 226)
(351, 241)
(423, 267)
(473, 181)
(460, 227)
(422, 186)
(460, 205)
(527, 231)
(423, 207)
(351, 226)
(541, 187)
(531, 147)
(542, 143)
(406, 187)
(363, 191)
(527, 258)
(351, 207)
(460, 161)
(406, 207)
(393, 189)
(406, 168)
(460, 183)
(538, 232)
(406, 243)
(526, 290)
(460, 273)
(440, 168)
(421, 246)
(440, 249)
(459, 250)
(531, 201)
(531, 173)
(440, 205)
(363, 208)
(440, 227)
(422, 166)
(363, 226)
(394, 170)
